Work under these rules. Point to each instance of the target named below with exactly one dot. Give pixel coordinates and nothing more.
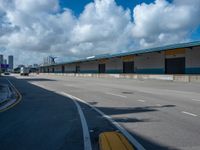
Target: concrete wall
(114, 65)
(89, 67)
(70, 68)
(178, 78)
(50, 69)
(193, 60)
(58, 69)
(151, 63)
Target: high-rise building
(49, 60)
(10, 61)
(4, 61)
(1, 59)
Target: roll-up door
(102, 68)
(175, 65)
(128, 67)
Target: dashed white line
(188, 113)
(116, 95)
(117, 125)
(158, 105)
(140, 100)
(197, 100)
(86, 134)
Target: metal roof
(135, 52)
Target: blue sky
(78, 5)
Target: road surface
(160, 115)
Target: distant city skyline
(7, 61)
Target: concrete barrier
(178, 78)
(114, 141)
(181, 78)
(195, 78)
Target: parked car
(6, 73)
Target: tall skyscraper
(1, 59)
(4, 61)
(10, 61)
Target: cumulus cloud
(162, 22)
(32, 29)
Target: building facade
(172, 59)
(11, 62)
(1, 59)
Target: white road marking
(118, 126)
(140, 100)
(188, 113)
(86, 134)
(197, 100)
(116, 95)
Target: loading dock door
(63, 69)
(102, 68)
(128, 67)
(175, 65)
(78, 69)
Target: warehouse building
(172, 59)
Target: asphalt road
(46, 120)
(161, 115)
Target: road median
(10, 96)
(114, 140)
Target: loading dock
(102, 68)
(63, 68)
(128, 67)
(175, 65)
(77, 69)
(180, 58)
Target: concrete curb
(12, 101)
(178, 78)
(6, 94)
(114, 141)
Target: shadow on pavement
(93, 103)
(42, 120)
(124, 119)
(127, 110)
(46, 120)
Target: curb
(122, 130)
(114, 141)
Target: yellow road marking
(18, 99)
(114, 141)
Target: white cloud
(32, 29)
(163, 22)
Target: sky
(33, 29)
